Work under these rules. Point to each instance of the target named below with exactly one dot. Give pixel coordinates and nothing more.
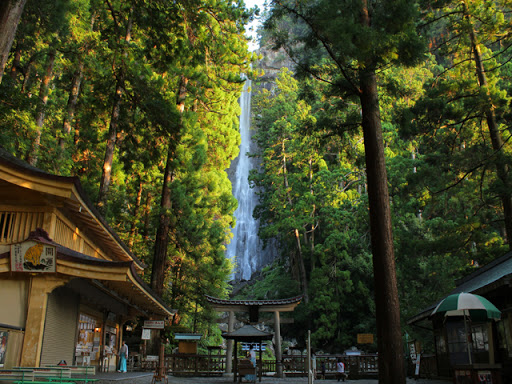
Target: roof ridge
(484, 268)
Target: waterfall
(245, 248)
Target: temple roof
(281, 305)
(247, 333)
(67, 193)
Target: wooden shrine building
(68, 284)
(254, 307)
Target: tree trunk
(10, 14)
(162, 233)
(135, 216)
(106, 174)
(300, 258)
(387, 304)
(71, 107)
(313, 214)
(74, 91)
(147, 216)
(16, 62)
(41, 109)
(389, 338)
(496, 139)
(159, 266)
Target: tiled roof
(291, 300)
(187, 336)
(247, 333)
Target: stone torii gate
(254, 307)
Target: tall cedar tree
(359, 38)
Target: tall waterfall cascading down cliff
(245, 248)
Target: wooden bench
(11, 375)
(76, 380)
(61, 375)
(44, 372)
(245, 368)
(40, 382)
(77, 369)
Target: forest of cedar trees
(385, 147)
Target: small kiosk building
(489, 358)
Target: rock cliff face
(271, 63)
(246, 249)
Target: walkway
(146, 377)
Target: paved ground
(146, 378)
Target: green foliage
(139, 49)
(444, 185)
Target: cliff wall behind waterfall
(246, 249)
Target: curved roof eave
(283, 305)
(66, 187)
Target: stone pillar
(279, 355)
(40, 287)
(229, 343)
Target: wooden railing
(361, 366)
(15, 226)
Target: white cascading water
(245, 248)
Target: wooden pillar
(162, 372)
(490, 337)
(279, 355)
(235, 370)
(40, 287)
(229, 342)
(260, 370)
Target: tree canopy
(385, 147)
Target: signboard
(154, 324)
(412, 351)
(417, 368)
(365, 338)
(463, 376)
(3, 347)
(255, 346)
(484, 377)
(31, 256)
(146, 334)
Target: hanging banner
(417, 368)
(31, 256)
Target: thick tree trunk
(10, 14)
(389, 338)
(106, 174)
(41, 109)
(502, 168)
(160, 262)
